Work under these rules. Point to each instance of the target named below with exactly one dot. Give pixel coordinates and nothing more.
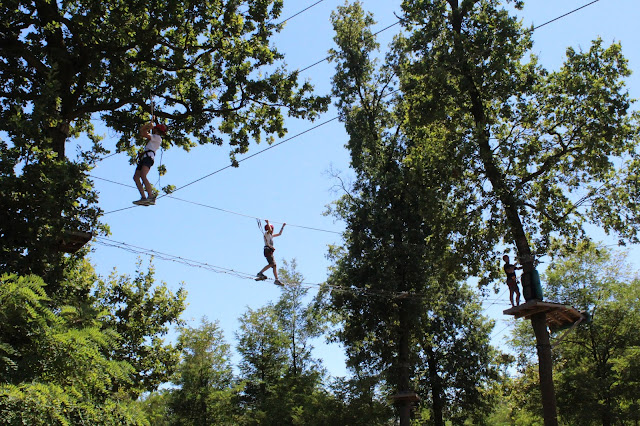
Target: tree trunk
(436, 387)
(545, 369)
(404, 377)
(510, 204)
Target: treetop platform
(72, 241)
(558, 315)
(405, 396)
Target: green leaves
(597, 358)
(396, 285)
(141, 313)
(204, 378)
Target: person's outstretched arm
(281, 229)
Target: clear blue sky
(292, 182)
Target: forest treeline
(99, 355)
(463, 147)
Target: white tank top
(153, 145)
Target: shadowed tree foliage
(141, 312)
(204, 378)
(82, 359)
(209, 65)
(397, 282)
(53, 363)
(598, 375)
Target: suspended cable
(365, 292)
(218, 208)
(494, 335)
(566, 14)
(300, 12)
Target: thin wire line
(300, 12)
(219, 208)
(254, 154)
(494, 335)
(562, 16)
(244, 275)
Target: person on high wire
(154, 135)
(512, 281)
(268, 252)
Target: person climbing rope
(146, 159)
(268, 252)
(512, 281)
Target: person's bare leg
(511, 298)
(275, 272)
(147, 184)
(137, 178)
(265, 268)
(517, 298)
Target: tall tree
(209, 65)
(262, 347)
(141, 312)
(204, 378)
(54, 362)
(598, 370)
(283, 380)
(534, 153)
(397, 283)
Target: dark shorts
(146, 161)
(268, 254)
(513, 285)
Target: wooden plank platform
(405, 396)
(558, 315)
(72, 241)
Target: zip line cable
(300, 12)
(244, 275)
(562, 16)
(218, 208)
(239, 161)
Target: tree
(262, 347)
(358, 400)
(397, 283)
(53, 363)
(204, 378)
(520, 141)
(283, 382)
(208, 65)
(598, 373)
(141, 312)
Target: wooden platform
(72, 241)
(558, 315)
(405, 396)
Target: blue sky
(293, 182)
